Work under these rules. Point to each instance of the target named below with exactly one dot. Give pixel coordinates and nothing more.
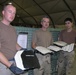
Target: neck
(69, 30)
(44, 29)
(5, 22)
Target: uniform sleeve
(0, 40)
(52, 39)
(34, 37)
(75, 39)
(60, 38)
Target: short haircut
(4, 6)
(45, 17)
(68, 19)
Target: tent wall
(55, 33)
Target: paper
(18, 60)
(54, 48)
(22, 40)
(43, 50)
(67, 48)
(60, 43)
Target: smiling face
(9, 13)
(45, 23)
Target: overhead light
(10, 3)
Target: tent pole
(46, 13)
(70, 10)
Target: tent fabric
(30, 12)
